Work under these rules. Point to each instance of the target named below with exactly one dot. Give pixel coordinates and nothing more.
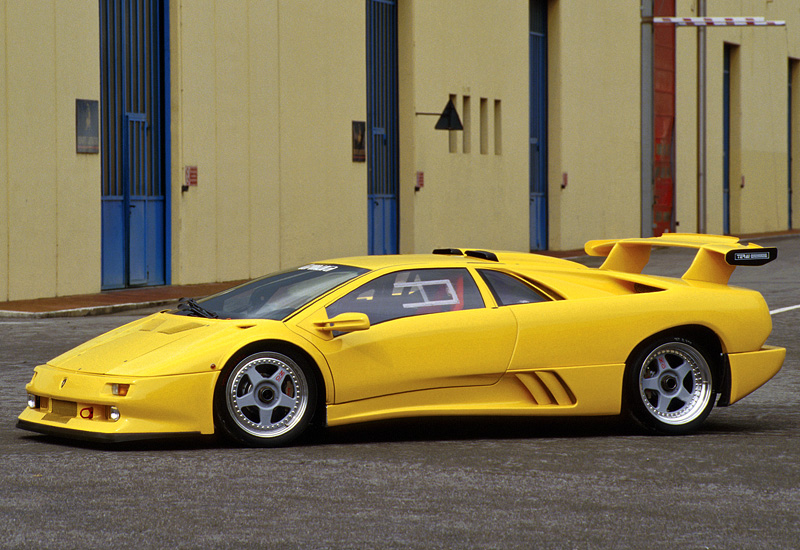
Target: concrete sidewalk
(107, 302)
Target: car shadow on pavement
(473, 428)
(385, 431)
(188, 443)
(424, 430)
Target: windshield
(275, 296)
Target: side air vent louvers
(547, 388)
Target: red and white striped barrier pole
(718, 21)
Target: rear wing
(716, 258)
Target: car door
(428, 328)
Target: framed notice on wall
(359, 148)
(87, 124)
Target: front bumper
(77, 405)
(97, 437)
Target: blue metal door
(538, 125)
(726, 141)
(382, 147)
(135, 142)
(793, 64)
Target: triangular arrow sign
(449, 119)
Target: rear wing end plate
(717, 256)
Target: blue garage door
(135, 142)
(382, 147)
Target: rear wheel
(670, 386)
(265, 400)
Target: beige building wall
(322, 90)
(49, 194)
(685, 174)
(594, 139)
(4, 220)
(759, 88)
(263, 98)
(475, 181)
(264, 92)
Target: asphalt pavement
(446, 483)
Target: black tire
(669, 386)
(267, 399)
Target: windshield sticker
(319, 267)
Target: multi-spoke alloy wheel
(267, 399)
(671, 386)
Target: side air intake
(547, 388)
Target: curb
(83, 311)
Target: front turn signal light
(120, 389)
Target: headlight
(113, 413)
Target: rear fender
(703, 337)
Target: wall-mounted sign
(189, 177)
(87, 124)
(359, 148)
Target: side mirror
(344, 322)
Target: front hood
(158, 345)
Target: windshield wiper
(190, 306)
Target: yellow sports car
(456, 332)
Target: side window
(508, 290)
(411, 292)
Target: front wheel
(265, 400)
(670, 386)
